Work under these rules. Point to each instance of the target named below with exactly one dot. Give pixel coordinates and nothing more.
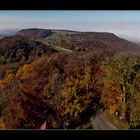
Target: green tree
(135, 102)
(2, 59)
(121, 68)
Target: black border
(69, 5)
(70, 134)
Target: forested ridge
(39, 83)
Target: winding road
(100, 122)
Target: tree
(112, 97)
(135, 102)
(121, 68)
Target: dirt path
(63, 49)
(100, 122)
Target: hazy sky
(123, 23)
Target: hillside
(64, 78)
(18, 48)
(34, 33)
(82, 41)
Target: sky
(122, 23)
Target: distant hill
(28, 44)
(34, 33)
(80, 41)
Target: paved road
(100, 122)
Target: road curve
(101, 123)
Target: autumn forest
(64, 77)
